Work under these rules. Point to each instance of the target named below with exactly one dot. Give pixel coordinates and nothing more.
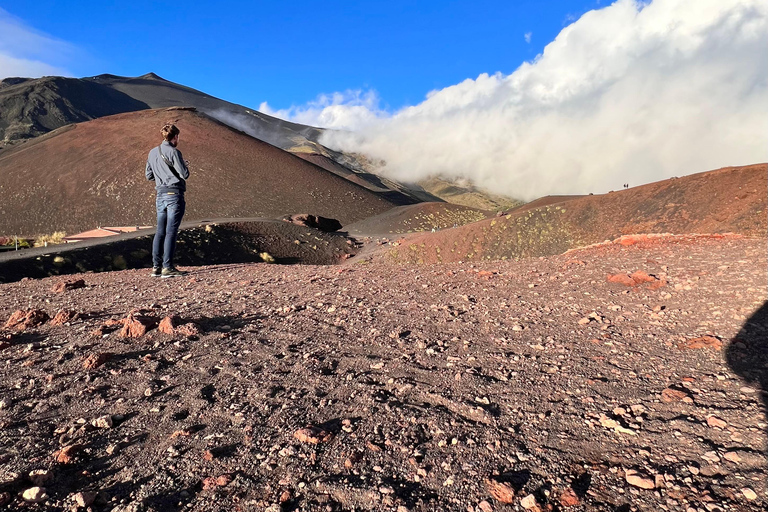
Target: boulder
(314, 221)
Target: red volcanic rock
(313, 435)
(172, 325)
(702, 342)
(641, 277)
(68, 285)
(95, 360)
(168, 324)
(66, 455)
(621, 279)
(21, 319)
(568, 498)
(136, 325)
(64, 316)
(501, 491)
(637, 278)
(675, 395)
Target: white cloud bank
(26, 52)
(630, 93)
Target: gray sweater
(159, 172)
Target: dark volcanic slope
(32, 107)
(732, 199)
(92, 174)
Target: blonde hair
(169, 131)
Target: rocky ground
(600, 380)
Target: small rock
(93, 361)
(749, 493)
(136, 325)
(34, 495)
(501, 491)
(65, 316)
(584, 321)
(674, 395)
(40, 477)
(529, 503)
(65, 286)
(285, 497)
(24, 319)
(85, 499)
(223, 480)
(485, 506)
(67, 454)
(732, 456)
(313, 435)
(633, 478)
(569, 498)
(103, 422)
(715, 422)
(709, 342)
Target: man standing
(167, 168)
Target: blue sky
(287, 53)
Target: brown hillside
(92, 173)
(731, 199)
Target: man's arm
(180, 165)
(148, 172)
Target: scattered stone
(65, 316)
(621, 279)
(484, 506)
(313, 435)
(173, 325)
(285, 497)
(633, 478)
(136, 325)
(702, 342)
(34, 495)
(65, 286)
(569, 498)
(500, 491)
(21, 320)
(223, 480)
(675, 395)
(67, 454)
(732, 457)
(103, 422)
(40, 477)
(715, 422)
(529, 503)
(749, 493)
(168, 324)
(93, 361)
(85, 499)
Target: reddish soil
(730, 200)
(92, 173)
(537, 384)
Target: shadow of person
(747, 355)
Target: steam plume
(630, 93)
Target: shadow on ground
(747, 355)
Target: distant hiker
(167, 168)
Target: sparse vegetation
(55, 238)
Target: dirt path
(425, 384)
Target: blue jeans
(170, 210)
